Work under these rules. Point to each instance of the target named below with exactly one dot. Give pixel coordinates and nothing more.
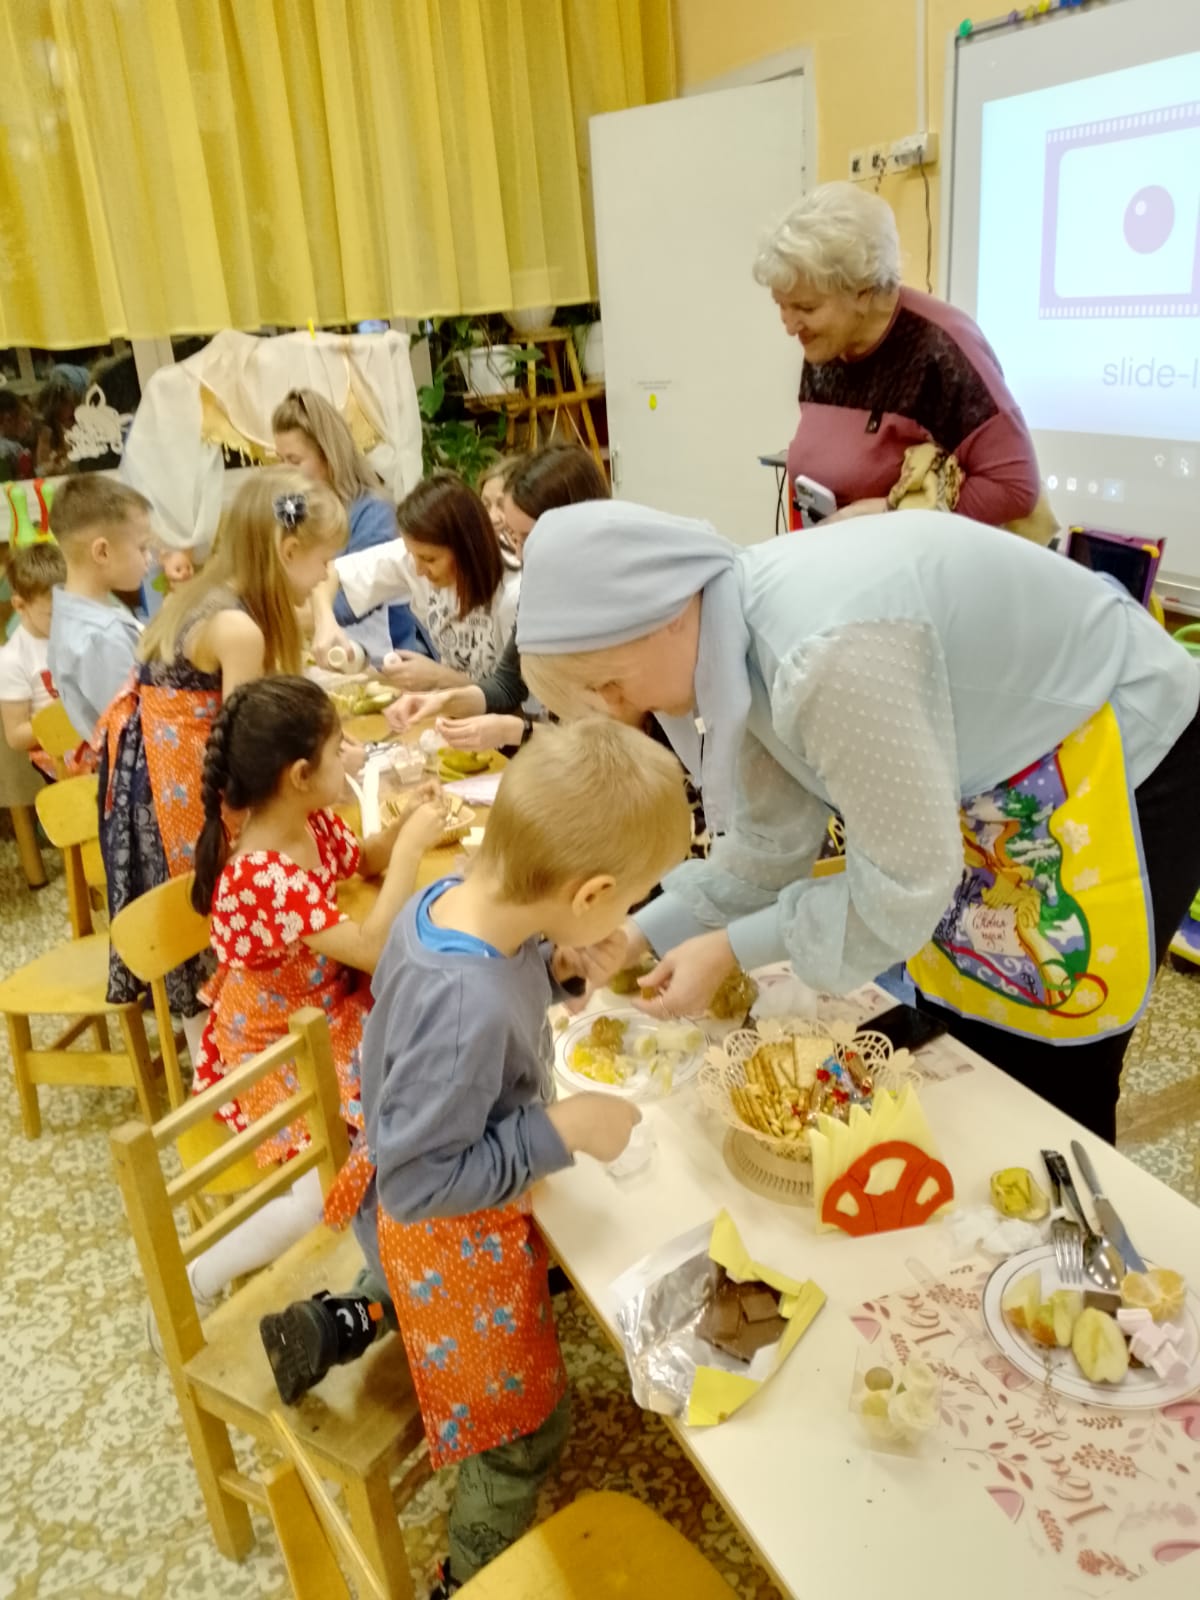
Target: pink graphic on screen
(1121, 217)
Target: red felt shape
(898, 1207)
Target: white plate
(1141, 1389)
(643, 1085)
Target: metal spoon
(1101, 1260)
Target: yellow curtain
(179, 166)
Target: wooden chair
(599, 1546)
(153, 935)
(20, 785)
(364, 1419)
(58, 737)
(72, 980)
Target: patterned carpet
(97, 1494)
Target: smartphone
(906, 1027)
(812, 499)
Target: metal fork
(1065, 1235)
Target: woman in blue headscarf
(1009, 739)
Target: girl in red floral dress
(280, 940)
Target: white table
(792, 1468)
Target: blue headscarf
(605, 572)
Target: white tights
(193, 1030)
(260, 1239)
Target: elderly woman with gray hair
(888, 370)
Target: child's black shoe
(310, 1336)
(445, 1585)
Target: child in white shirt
(26, 688)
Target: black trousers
(1084, 1080)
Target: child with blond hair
(103, 530)
(234, 622)
(461, 1119)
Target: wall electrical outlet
(914, 150)
(859, 167)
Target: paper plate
(1141, 1389)
(643, 1084)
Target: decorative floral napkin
(1111, 1494)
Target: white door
(700, 376)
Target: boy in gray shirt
(461, 1119)
(103, 528)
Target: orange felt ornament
(898, 1207)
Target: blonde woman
(311, 437)
(233, 623)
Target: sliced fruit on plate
(1022, 1299)
(1099, 1347)
(1158, 1291)
(1054, 1320)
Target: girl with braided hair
(233, 623)
(274, 755)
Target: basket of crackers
(460, 818)
(773, 1082)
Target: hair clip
(291, 510)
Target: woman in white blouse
(448, 566)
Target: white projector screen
(1074, 240)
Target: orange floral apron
(176, 724)
(472, 1299)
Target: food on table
(1020, 1301)
(1054, 1320)
(608, 1033)
(608, 1056)
(680, 1037)
(741, 1318)
(788, 1083)
(1017, 1193)
(394, 808)
(1169, 1349)
(733, 999)
(361, 699)
(902, 1402)
(1158, 1291)
(626, 981)
(464, 763)
(1099, 1347)
(1107, 1300)
(601, 1065)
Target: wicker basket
(457, 827)
(724, 1069)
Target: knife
(1110, 1222)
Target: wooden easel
(527, 406)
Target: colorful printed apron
(473, 1301)
(175, 725)
(1049, 933)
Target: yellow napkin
(717, 1394)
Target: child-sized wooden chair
(600, 1545)
(58, 737)
(153, 935)
(363, 1420)
(72, 980)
